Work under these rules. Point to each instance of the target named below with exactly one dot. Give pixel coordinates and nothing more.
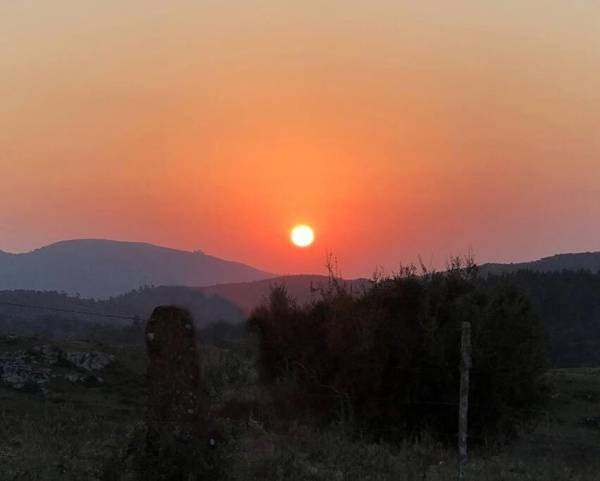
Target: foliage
(386, 361)
(568, 302)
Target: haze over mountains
(563, 290)
(67, 316)
(102, 268)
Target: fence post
(465, 366)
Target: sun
(302, 235)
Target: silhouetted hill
(568, 303)
(302, 288)
(228, 303)
(570, 262)
(68, 315)
(104, 268)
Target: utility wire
(58, 309)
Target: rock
(47, 354)
(177, 432)
(74, 377)
(33, 369)
(90, 361)
(17, 371)
(85, 379)
(591, 422)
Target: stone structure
(177, 433)
(36, 368)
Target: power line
(58, 309)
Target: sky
(397, 129)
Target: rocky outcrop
(18, 372)
(34, 369)
(90, 361)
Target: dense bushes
(386, 361)
(569, 304)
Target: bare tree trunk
(465, 366)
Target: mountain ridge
(101, 268)
(557, 262)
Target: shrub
(386, 361)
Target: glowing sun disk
(302, 236)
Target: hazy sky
(395, 128)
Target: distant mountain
(302, 288)
(568, 303)
(62, 316)
(571, 262)
(102, 268)
(204, 308)
(59, 315)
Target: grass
(79, 433)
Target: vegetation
(96, 433)
(568, 302)
(354, 386)
(386, 362)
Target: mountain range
(563, 290)
(96, 268)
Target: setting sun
(302, 236)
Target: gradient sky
(395, 128)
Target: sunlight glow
(302, 236)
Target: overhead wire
(70, 311)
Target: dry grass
(85, 435)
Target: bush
(386, 362)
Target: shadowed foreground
(77, 432)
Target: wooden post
(463, 409)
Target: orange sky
(395, 129)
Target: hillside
(94, 268)
(73, 318)
(568, 302)
(303, 288)
(103, 268)
(222, 302)
(570, 262)
(69, 428)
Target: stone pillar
(177, 432)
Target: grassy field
(88, 433)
